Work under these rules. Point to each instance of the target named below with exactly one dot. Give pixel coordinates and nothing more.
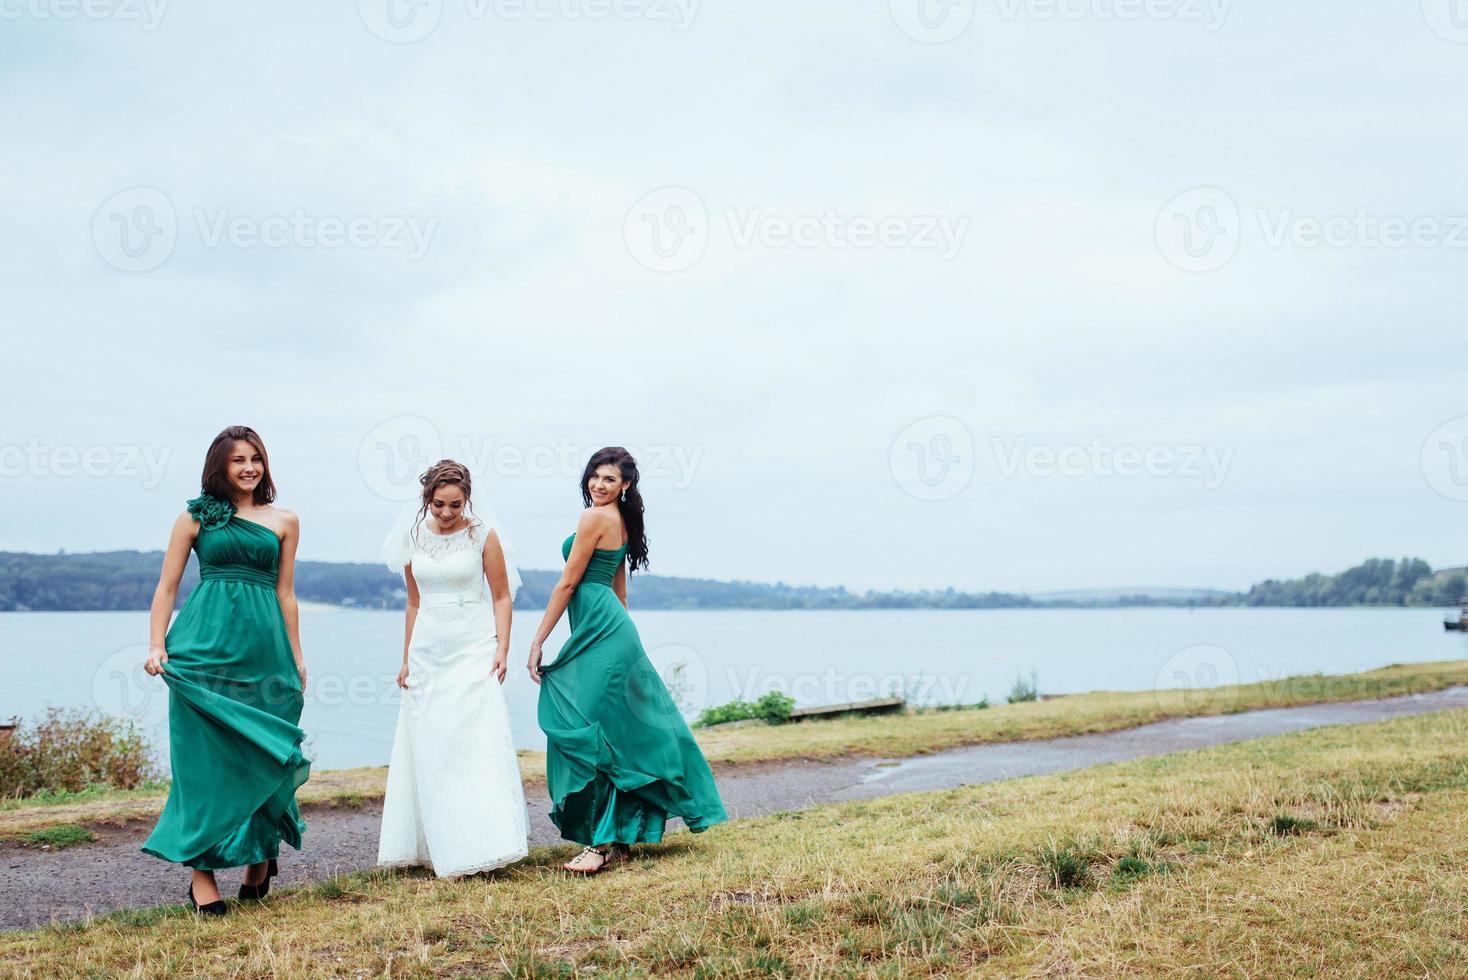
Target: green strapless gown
(233, 707)
(619, 757)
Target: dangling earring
(624, 495)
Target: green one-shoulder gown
(234, 703)
(619, 757)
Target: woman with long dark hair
(619, 756)
(236, 677)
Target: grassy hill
(125, 580)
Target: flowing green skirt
(619, 756)
(234, 703)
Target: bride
(454, 800)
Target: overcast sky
(1020, 295)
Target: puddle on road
(882, 768)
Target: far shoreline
(311, 606)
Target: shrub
(736, 710)
(773, 707)
(1025, 690)
(71, 751)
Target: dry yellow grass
(1387, 899)
(1332, 852)
(913, 733)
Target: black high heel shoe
(211, 908)
(254, 893)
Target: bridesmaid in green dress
(236, 679)
(619, 756)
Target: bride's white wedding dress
(454, 799)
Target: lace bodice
(454, 799)
(449, 564)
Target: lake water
(94, 660)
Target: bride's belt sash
(443, 599)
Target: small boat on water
(1461, 623)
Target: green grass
(93, 793)
(1284, 824)
(1338, 851)
(1066, 865)
(58, 837)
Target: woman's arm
(588, 529)
(175, 560)
(504, 605)
(285, 588)
(619, 583)
(410, 617)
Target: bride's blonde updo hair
(445, 473)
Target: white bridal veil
(397, 547)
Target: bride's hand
(534, 664)
(157, 657)
(500, 668)
(403, 677)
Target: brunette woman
(236, 678)
(619, 756)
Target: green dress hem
(620, 759)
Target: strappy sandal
(614, 854)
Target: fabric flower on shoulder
(211, 512)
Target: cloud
(790, 352)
